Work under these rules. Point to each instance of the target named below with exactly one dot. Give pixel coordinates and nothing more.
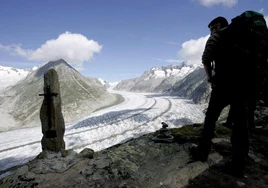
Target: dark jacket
(209, 54)
(216, 52)
(213, 52)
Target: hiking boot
(197, 154)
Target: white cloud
(209, 3)
(72, 47)
(192, 50)
(261, 10)
(266, 19)
(5, 48)
(22, 52)
(170, 60)
(173, 61)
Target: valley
(138, 114)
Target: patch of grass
(222, 130)
(187, 130)
(192, 132)
(186, 133)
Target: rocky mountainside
(156, 79)
(9, 76)
(183, 81)
(194, 86)
(80, 96)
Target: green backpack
(248, 35)
(245, 43)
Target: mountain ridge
(188, 81)
(9, 76)
(157, 79)
(80, 95)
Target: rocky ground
(256, 172)
(143, 162)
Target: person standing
(226, 90)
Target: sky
(111, 39)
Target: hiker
(220, 97)
(232, 85)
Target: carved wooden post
(52, 121)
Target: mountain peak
(157, 79)
(58, 62)
(167, 71)
(184, 64)
(52, 64)
(80, 95)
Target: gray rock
(53, 126)
(222, 144)
(86, 153)
(214, 158)
(53, 162)
(102, 163)
(30, 175)
(241, 184)
(22, 170)
(254, 157)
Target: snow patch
(9, 76)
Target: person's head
(217, 24)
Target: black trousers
(219, 99)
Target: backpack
(248, 35)
(245, 41)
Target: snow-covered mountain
(193, 86)
(108, 85)
(187, 81)
(9, 76)
(21, 103)
(157, 79)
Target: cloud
(170, 60)
(261, 10)
(210, 3)
(171, 42)
(192, 50)
(72, 47)
(5, 48)
(173, 61)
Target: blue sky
(111, 39)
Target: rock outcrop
(53, 126)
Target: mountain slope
(10, 76)
(156, 79)
(187, 81)
(80, 95)
(194, 86)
